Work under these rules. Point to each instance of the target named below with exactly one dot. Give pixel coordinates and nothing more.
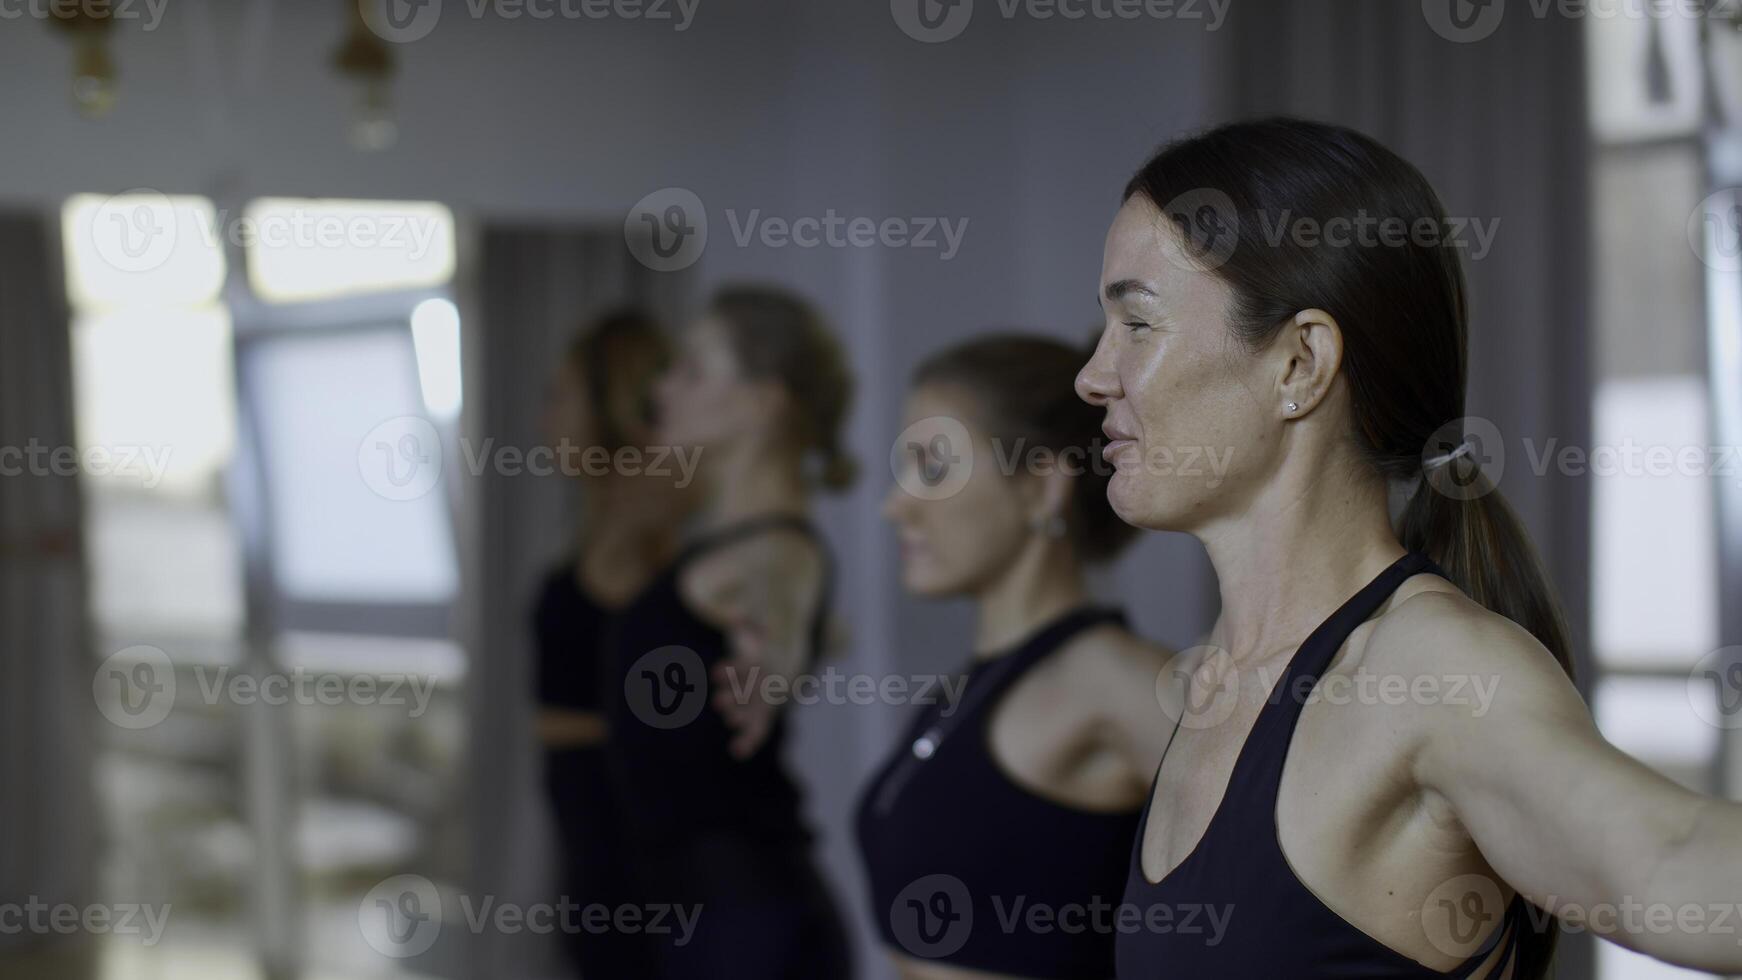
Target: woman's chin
(1135, 504)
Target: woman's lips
(1113, 447)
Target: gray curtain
(46, 707)
(1498, 125)
(535, 286)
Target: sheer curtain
(46, 708)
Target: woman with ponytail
(1381, 767)
(757, 395)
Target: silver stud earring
(1293, 408)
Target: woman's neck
(751, 482)
(1043, 583)
(621, 537)
(1302, 547)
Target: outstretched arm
(1580, 828)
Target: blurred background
(281, 285)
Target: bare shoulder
(1110, 653)
(1434, 638)
(1108, 667)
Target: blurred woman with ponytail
(1382, 767)
(1023, 789)
(757, 394)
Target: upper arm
(1558, 812)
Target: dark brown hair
(777, 336)
(1401, 306)
(618, 355)
(1024, 387)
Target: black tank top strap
(1510, 932)
(1274, 729)
(1043, 642)
(731, 534)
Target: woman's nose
(1097, 382)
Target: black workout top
(669, 743)
(572, 634)
(1252, 918)
(960, 857)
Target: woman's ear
(1050, 493)
(1309, 352)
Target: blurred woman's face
(703, 398)
(567, 417)
(960, 543)
(1189, 421)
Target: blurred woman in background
(1025, 793)
(760, 389)
(600, 398)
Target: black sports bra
(669, 744)
(1250, 916)
(961, 860)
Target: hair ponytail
(1478, 541)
